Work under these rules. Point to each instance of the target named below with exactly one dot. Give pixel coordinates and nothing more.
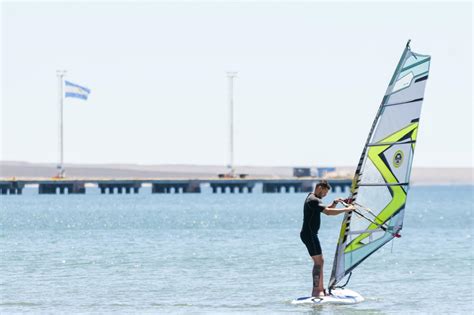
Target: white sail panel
(371, 175)
(394, 118)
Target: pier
(168, 186)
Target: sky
(311, 76)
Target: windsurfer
(309, 232)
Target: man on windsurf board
(313, 208)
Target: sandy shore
(420, 175)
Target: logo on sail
(398, 158)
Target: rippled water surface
(224, 253)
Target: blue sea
(221, 253)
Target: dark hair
(323, 184)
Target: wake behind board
(338, 296)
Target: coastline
(420, 175)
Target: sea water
(221, 253)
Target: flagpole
(61, 170)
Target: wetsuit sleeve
(316, 204)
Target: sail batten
(382, 185)
(382, 177)
(390, 143)
(404, 103)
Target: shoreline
(421, 176)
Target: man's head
(322, 189)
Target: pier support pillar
(77, 188)
(238, 187)
(53, 188)
(192, 187)
(343, 188)
(307, 187)
(49, 189)
(269, 188)
(157, 189)
(177, 188)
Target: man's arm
(331, 209)
(334, 203)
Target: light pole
(231, 75)
(61, 170)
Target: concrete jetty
(14, 186)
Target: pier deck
(14, 186)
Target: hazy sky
(311, 76)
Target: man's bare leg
(318, 287)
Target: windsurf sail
(380, 184)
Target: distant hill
(8, 169)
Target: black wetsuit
(311, 222)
